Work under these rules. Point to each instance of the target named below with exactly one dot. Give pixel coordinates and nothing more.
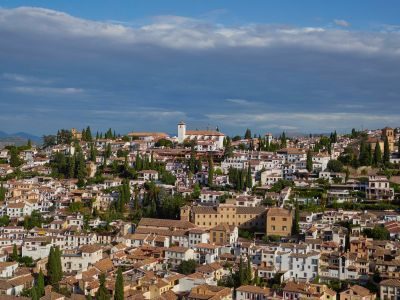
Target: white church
(207, 140)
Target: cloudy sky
(299, 66)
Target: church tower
(181, 132)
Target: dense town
(201, 215)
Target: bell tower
(181, 132)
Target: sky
(272, 66)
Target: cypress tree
(386, 152)
(102, 293)
(249, 273)
(364, 155)
(377, 154)
(88, 134)
(242, 274)
(14, 255)
(119, 286)
(2, 192)
(57, 253)
(247, 134)
(71, 166)
(40, 284)
(309, 163)
(249, 179)
(93, 152)
(296, 219)
(51, 267)
(34, 295)
(210, 171)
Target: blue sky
(301, 66)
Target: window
(273, 219)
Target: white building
(200, 135)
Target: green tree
(93, 152)
(283, 140)
(187, 267)
(108, 151)
(14, 255)
(241, 273)
(34, 295)
(377, 154)
(249, 179)
(3, 192)
(15, 161)
(296, 220)
(102, 293)
(335, 166)
(40, 284)
(119, 286)
(386, 152)
(210, 171)
(377, 233)
(247, 134)
(53, 266)
(88, 134)
(309, 163)
(249, 273)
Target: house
(279, 221)
(224, 234)
(357, 292)
(389, 289)
(295, 290)
(246, 292)
(80, 260)
(176, 255)
(147, 175)
(209, 292)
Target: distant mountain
(18, 138)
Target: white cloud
(342, 23)
(243, 102)
(46, 91)
(186, 33)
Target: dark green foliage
(54, 267)
(386, 152)
(228, 147)
(119, 286)
(34, 294)
(3, 192)
(102, 293)
(34, 220)
(15, 161)
(187, 267)
(108, 151)
(335, 166)
(14, 255)
(93, 152)
(280, 185)
(377, 233)
(157, 203)
(164, 143)
(249, 179)
(247, 134)
(283, 140)
(296, 220)
(309, 164)
(365, 157)
(64, 136)
(210, 171)
(49, 140)
(40, 284)
(4, 221)
(377, 160)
